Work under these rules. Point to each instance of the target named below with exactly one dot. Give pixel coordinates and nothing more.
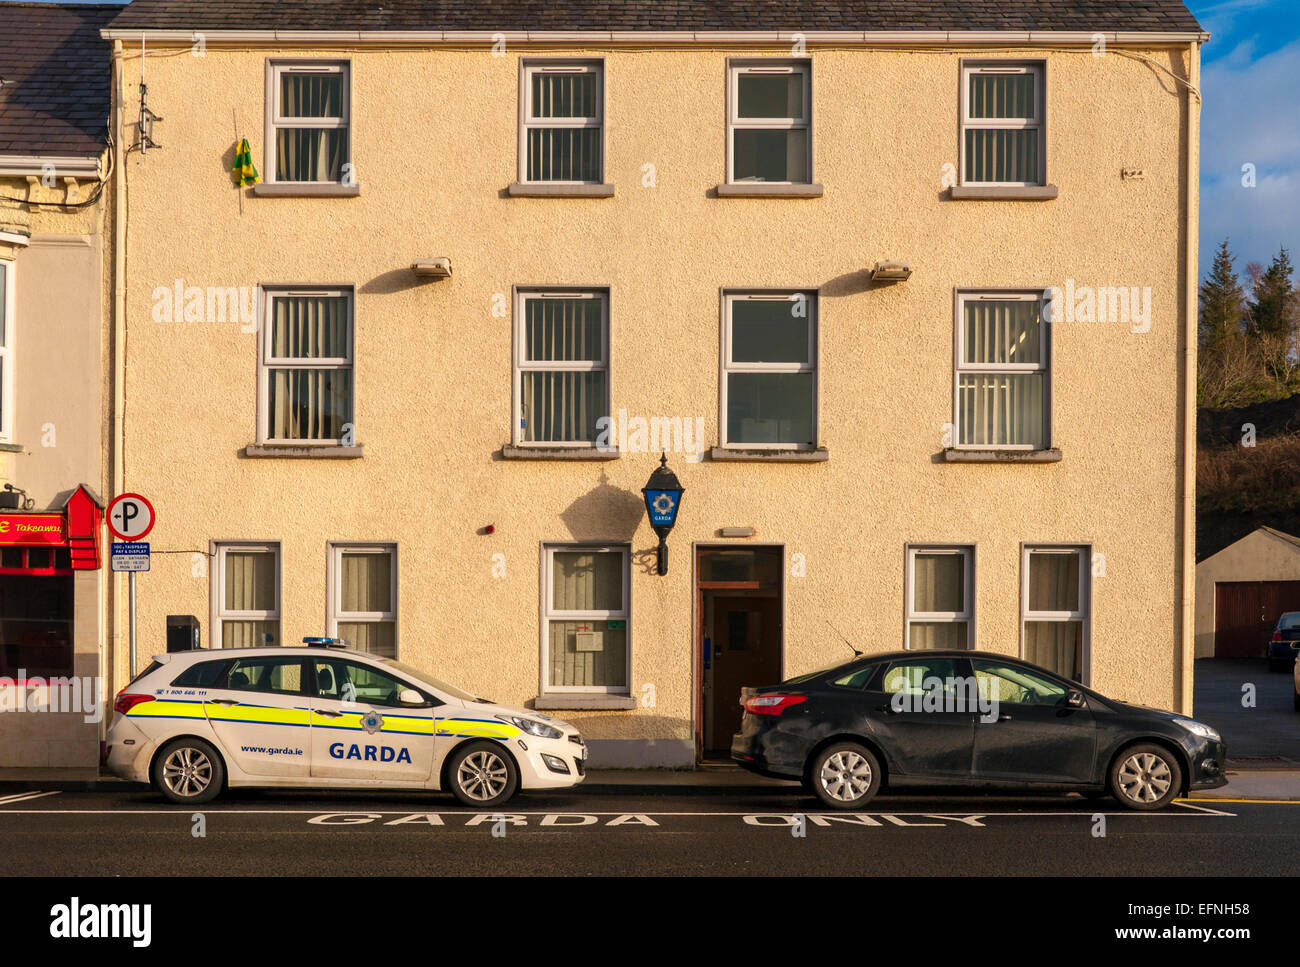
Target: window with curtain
(307, 366)
(310, 121)
(363, 599)
(940, 597)
(1002, 125)
(248, 595)
(1056, 609)
(769, 381)
(585, 619)
(1002, 372)
(563, 130)
(769, 123)
(562, 367)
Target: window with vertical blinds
(1002, 372)
(562, 367)
(586, 619)
(310, 121)
(363, 600)
(307, 364)
(248, 595)
(1002, 130)
(562, 129)
(1056, 609)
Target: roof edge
(662, 37)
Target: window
(306, 372)
(561, 367)
(6, 350)
(363, 597)
(585, 619)
(310, 110)
(769, 122)
(351, 681)
(281, 676)
(1002, 391)
(247, 593)
(940, 593)
(912, 677)
(1016, 686)
(562, 137)
(36, 622)
(858, 678)
(1055, 609)
(205, 674)
(1002, 124)
(769, 378)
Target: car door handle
(223, 701)
(327, 713)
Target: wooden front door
(1245, 613)
(744, 649)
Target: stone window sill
(317, 453)
(519, 190)
(304, 189)
(11, 448)
(740, 455)
(1002, 456)
(999, 193)
(759, 189)
(509, 452)
(559, 703)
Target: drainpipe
(1187, 537)
(116, 468)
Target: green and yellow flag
(245, 173)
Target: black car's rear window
(858, 677)
(204, 674)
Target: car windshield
(428, 679)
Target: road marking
(1193, 811)
(1271, 802)
(1202, 809)
(24, 796)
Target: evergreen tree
(1274, 310)
(1222, 302)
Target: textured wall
(435, 142)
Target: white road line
(1203, 809)
(23, 796)
(570, 812)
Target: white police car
(324, 717)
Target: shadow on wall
(604, 513)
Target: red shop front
(40, 553)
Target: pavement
(1253, 710)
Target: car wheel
(845, 776)
(1145, 777)
(188, 771)
(482, 774)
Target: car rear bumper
(759, 753)
(1282, 650)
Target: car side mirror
(1074, 699)
(410, 696)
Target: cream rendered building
(365, 395)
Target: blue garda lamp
(663, 495)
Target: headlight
(532, 726)
(1196, 728)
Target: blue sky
(1250, 77)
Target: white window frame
(1038, 122)
(267, 363)
(334, 584)
(910, 615)
(729, 298)
(8, 269)
(738, 66)
(528, 120)
(521, 365)
(961, 368)
(217, 582)
(549, 614)
(1084, 614)
(275, 120)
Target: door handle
(227, 702)
(327, 713)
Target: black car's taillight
(771, 704)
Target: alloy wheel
(187, 771)
(846, 776)
(1144, 777)
(482, 775)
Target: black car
(968, 719)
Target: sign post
(131, 518)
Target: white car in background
(320, 716)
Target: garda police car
(323, 717)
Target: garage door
(1245, 612)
